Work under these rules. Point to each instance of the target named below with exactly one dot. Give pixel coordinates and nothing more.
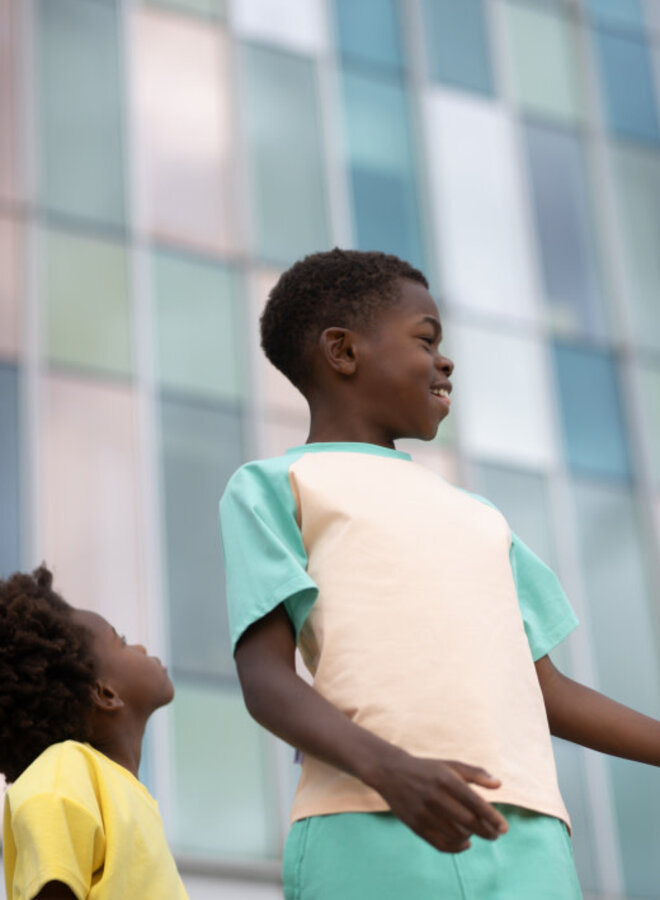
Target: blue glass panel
(617, 13)
(594, 434)
(9, 507)
(382, 169)
(201, 449)
(457, 47)
(627, 80)
(369, 32)
(564, 227)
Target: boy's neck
(328, 426)
(124, 747)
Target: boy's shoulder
(56, 770)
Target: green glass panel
(9, 471)
(197, 326)
(544, 59)
(222, 792)
(650, 381)
(88, 302)
(369, 32)
(216, 9)
(284, 154)
(457, 44)
(81, 140)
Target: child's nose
(445, 364)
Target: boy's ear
(106, 697)
(338, 345)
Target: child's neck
(330, 427)
(123, 747)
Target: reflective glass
(457, 45)
(369, 32)
(185, 126)
(381, 164)
(626, 78)
(637, 183)
(285, 158)
(564, 227)
(202, 447)
(299, 24)
(477, 200)
(197, 323)
(622, 623)
(223, 798)
(628, 14)
(544, 57)
(9, 42)
(10, 286)
(504, 410)
(213, 8)
(572, 783)
(9, 472)
(591, 413)
(88, 302)
(80, 124)
(650, 384)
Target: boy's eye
(427, 340)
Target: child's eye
(427, 340)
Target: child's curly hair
(47, 670)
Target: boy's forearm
(584, 716)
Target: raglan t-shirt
(416, 609)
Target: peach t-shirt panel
(412, 620)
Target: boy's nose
(445, 365)
(141, 648)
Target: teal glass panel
(565, 229)
(215, 9)
(627, 84)
(81, 123)
(626, 14)
(369, 32)
(650, 384)
(88, 302)
(197, 326)
(457, 45)
(637, 182)
(285, 155)
(381, 163)
(591, 412)
(623, 625)
(9, 472)
(222, 789)
(201, 447)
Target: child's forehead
(93, 622)
(412, 302)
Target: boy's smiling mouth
(442, 392)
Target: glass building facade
(161, 162)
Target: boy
(74, 702)
(425, 622)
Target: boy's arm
(583, 716)
(431, 796)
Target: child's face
(141, 681)
(402, 376)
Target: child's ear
(338, 345)
(106, 697)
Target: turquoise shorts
(358, 856)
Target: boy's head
(64, 673)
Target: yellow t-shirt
(77, 817)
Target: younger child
(74, 703)
(425, 622)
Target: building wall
(162, 162)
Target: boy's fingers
(486, 815)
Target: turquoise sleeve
(547, 614)
(265, 559)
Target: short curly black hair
(342, 288)
(47, 670)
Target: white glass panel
(299, 24)
(278, 435)
(484, 242)
(10, 287)
(183, 120)
(502, 396)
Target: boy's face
(141, 681)
(402, 376)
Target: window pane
(9, 42)
(223, 804)
(197, 325)
(186, 131)
(285, 154)
(369, 32)
(478, 203)
(594, 429)
(617, 14)
(10, 286)
(201, 449)
(564, 228)
(650, 384)
(213, 8)
(502, 416)
(545, 62)
(88, 302)
(627, 84)
(381, 162)
(298, 24)
(9, 472)
(457, 46)
(81, 109)
(637, 182)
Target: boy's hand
(432, 797)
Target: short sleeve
(265, 558)
(547, 614)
